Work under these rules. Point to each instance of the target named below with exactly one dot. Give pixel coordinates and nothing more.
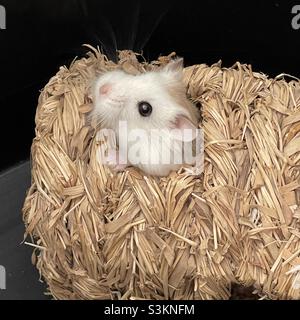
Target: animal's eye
(145, 109)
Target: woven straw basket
(99, 235)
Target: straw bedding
(98, 235)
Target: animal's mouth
(116, 103)
(117, 100)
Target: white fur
(121, 105)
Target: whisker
(112, 34)
(135, 24)
(155, 25)
(108, 49)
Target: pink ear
(105, 89)
(184, 129)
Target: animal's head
(152, 100)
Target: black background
(41, 35)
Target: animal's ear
(105, 89)
(183, 129)
(174, 67)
